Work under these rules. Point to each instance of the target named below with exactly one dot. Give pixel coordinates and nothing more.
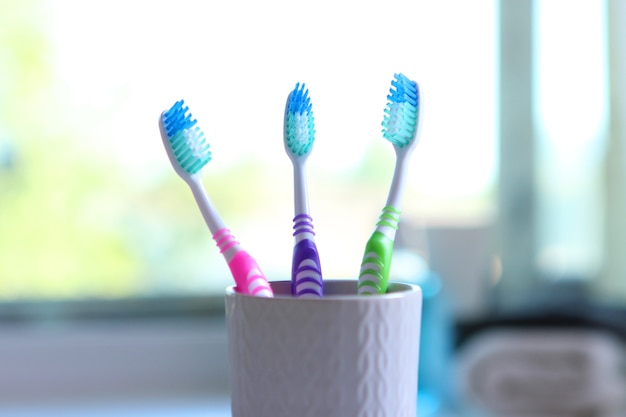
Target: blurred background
(111, 289)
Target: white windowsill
(178, 365)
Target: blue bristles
(400, 120)
(187, 140)
(178, 118)
(299, 121)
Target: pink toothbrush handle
(243, 267)
(248, 275)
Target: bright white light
(572, 109)
(235, 62)
(123, 62)
(572, 105)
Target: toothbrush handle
(248, 275)
(306, 270)
(243, 267)
(374, 274)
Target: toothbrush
(299, 135)
(189, 152)
(401, 126)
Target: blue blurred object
(7, 156)
(436, 340)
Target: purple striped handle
(306, 271)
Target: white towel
(542, 372)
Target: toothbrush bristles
(187, 141)
(299, 121)
(400, 119)
(178, 118)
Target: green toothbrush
(401, 126)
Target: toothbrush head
(184, 141)
(299, 127)
(401, 120)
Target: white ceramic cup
(342, 355)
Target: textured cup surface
(339, 356)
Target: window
(571, 122)
(561, 181)
(90, 206)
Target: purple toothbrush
(299, 135)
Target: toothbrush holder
(342, 355)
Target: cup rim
(396, 290)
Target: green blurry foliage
(55, 241)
